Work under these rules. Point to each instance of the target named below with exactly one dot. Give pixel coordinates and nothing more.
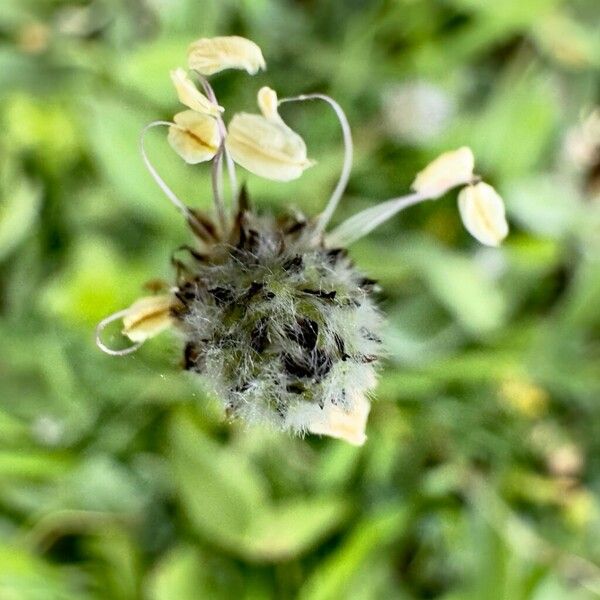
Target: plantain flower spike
(211, 55)
(194, 136)
(191, 96)
(264, 144)
(274, 316)
(147, 317)
(447, 171)
(482, 212)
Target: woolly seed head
(273, 313)
(284, 330)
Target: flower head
(273, 314)
(211, 55)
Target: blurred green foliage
(119, 479)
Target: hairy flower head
(273, 315)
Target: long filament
(210, 94)
(365, 221)
(102, 325)
(326, 215)
(217, 184)
(169, 193)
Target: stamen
(365, 221)
(326, 215)
(217, 184)
(100, 328)
(217, 167)
(169, 193)
(210, 94)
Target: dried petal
(267, 148)
(447, 171)
(211, 55)
(191, 96)
(147, 317)
(194, 136)
(347, 426)
(482, 213)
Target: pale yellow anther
(268, 104)
(211, 55)
(194, 136)
(266, 147)
(482, 213)
(191, 96)
(447, 171)
(148, 317)
(344, 425)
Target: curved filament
(100, 328)
(169, 193)
(326, 215)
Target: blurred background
(119, 478)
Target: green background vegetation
(480, 479)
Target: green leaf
(101, 484)
(220, 491)
(511, 134)
(333, 577)
(19, 208)
(546, 205)
(116, 564)
(178, 575)
(185, 573)
(24, 576)
(33, 464)
(460, 285)
(292, 527)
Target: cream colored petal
(482, 213)
(266, 148)
(267, 102)
(148, 317)
(347, 426)
(194, 136)
(211, 55)
(447, 171)
(191, 96)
